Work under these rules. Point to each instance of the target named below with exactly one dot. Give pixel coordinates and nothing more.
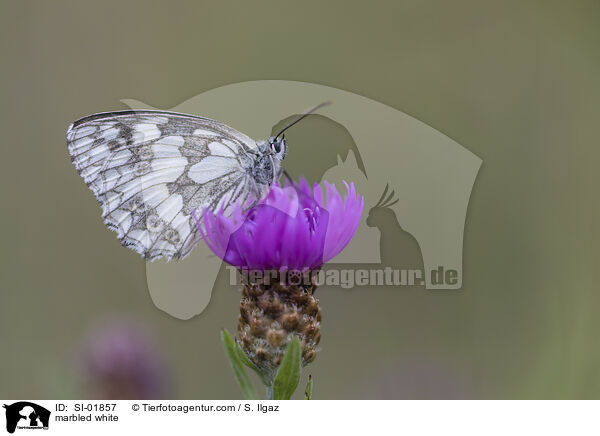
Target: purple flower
(294, 228)
(119, 361)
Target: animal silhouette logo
(26, 415)
(398, 248)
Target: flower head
(294, 228)
(120, 361)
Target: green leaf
(242, 356)
(238, 368)
(288, 375)
(308, 390)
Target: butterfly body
(150, 170)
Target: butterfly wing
(150, 169)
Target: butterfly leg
(286, 174)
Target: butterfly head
(277, 144)
(278, 147)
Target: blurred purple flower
(119, 362)
(293, 228)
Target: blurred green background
(515, 82)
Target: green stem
(269, 389)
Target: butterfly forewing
(150, 169)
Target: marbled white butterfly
(150, 170)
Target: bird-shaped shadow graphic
(398, 248)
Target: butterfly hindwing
(150, 169)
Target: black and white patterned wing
(150, 169)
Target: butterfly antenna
(304, 115)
